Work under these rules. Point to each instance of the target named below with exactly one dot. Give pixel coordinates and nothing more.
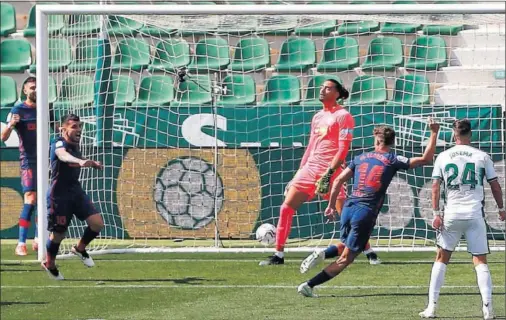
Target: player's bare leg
(331, 271)
(437, 279)
(52, 247)
(484, 284)
(30, 200)
(95, 225)
(294, 199)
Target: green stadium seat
(368, 90)
(196, 92)
(7, 19)
(411, 89)
(121, 26)
(52, 91)
(281, 90)
(297, 54)
(443, 30)
(157, 32)
(401, 28)
(239, 89)
(60, 55)
(251, 54)
(427, 53)
(339, 54)
(15, 55)
(75, 91)
(317, 29)
(81, 24)
(124, 90)
(211, 54)
(384, 54)
(313, 88)
(8, 92)
(86, 56)
(131, 54)
(170, 55)
(358, 27)
(156, 90)
(55, 23)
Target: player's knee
(97, 224)
(443, 256)
(31, 197)
(480, 259)
(57, 237)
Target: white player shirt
(462, 169)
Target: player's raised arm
(428, 154)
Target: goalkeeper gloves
(323, 184)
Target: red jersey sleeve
(346, 125)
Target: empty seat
(427, 53)
(86, 56)
(52, 94)
(251, 54)
(197, 91)
(55, 24)
(443, 30)
(384, 54)
(211, 54)
(76, 91)
(369, 90)
(15, 55)
(7, 19)
(297, 54)
(401, 28)
(82, 24)
(238, 89)
(157, 90)
(131, 54)
(281, 90)
(121, 26)
(313, 88)
(124, 90)
(60, 55)
(411, 90)
(170, 55)
(358, 27)
(339, 54)
(317, 29)
(157, 31)
(8, 92)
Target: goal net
(201, 120)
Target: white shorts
(474, 230)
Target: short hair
(462, 127)
(70, 117)
(385, 135)
(29, 80)
(343, 93)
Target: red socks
(284, 226)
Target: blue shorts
(62, 207)
(357, 224)
(29, 178)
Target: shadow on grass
(11, 303)
(189, 280)
(21, 270)
(399, 294)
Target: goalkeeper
(330, 139)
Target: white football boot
(312, 260)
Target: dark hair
(70, 117)
(385, 134)
(343, 93)
(29, 80)
(462, 127)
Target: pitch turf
(233, 286)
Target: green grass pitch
(233, 286)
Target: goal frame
(42, 74)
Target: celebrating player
(462, 170)
(330, 139)
(66, 197)
(23, 118)
(373, 172)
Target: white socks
(368, 251)
(280, 254)
(437, 279)
(484, 283)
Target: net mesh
(202, 162)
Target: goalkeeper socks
(437, 279)
(320, 278)
(24, 221)
(52, 251)
(484, 283)
(334, 251)
(284, 226)
(87, 237)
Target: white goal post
(44, 11)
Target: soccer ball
(266, 234)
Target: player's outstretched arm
(336, 187)
(428, 154)
(64, 156)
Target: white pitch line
(205, 286)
